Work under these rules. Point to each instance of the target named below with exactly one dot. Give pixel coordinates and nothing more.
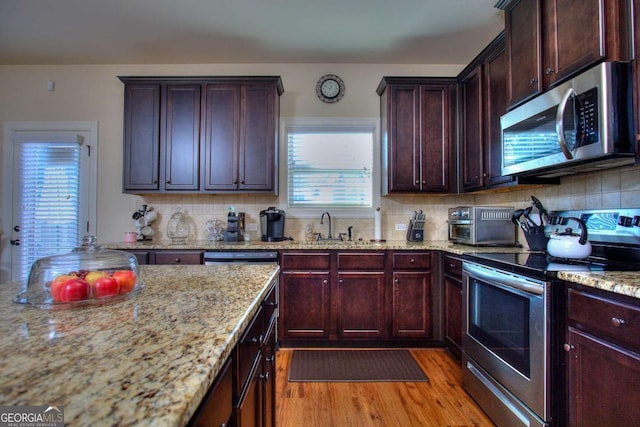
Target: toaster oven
(482, 225)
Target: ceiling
(245, 31)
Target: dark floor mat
(354, 366)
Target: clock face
(330, 88)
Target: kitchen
(90, 92)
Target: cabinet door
(221, 137)
(472, 167)
(453, 312)
(182, 138)
(269, 377)
(217, 406)
(434, 139)
(258, 137)
(248, 410)
(404, 139)
(575, 35)
(361, 312)
(495, 105)
(411, 307)
(603, 382)
(305, 305)
(141, 137)
(524, 43)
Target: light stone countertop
(624, 283)
(144, 361)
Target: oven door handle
(520, 283)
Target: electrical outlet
(401, 227)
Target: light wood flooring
(439, 402)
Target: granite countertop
(624, 283)
(147, 360)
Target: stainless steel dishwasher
(240, 257)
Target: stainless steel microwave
(583, 124)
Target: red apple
(105, 286)
(126, 279)
(75, 289)
(57, 283)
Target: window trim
(329, 124)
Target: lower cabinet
(411, 300)
(452, 280)
(603, 358)
(355, 296)
(217, 406)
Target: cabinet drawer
(411, 261)
(305, 261)
(361, 261)
(178, 257)
(616, 320)
(453, 266)
(270, 304)
(248, 350)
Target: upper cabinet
(636, 75)
(549, 41)
(201, 134)
(417, 126)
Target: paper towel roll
(377, 224)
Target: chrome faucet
(322, 222)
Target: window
(52, 194)
(330, 165)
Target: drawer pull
(616, 323)
(177, 261)
(568, 347)
(265, 377)
(259, 340)
(412, 261)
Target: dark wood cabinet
(411, 295)
(201, 134)
(453, 303)
(417, 126)
(240, 143)
(305, 290)
(163, 256)
(180, 142)
(603, 358)
(483, 99)
(141, 137)
(549, 41)
(636, 75)
(217, 406)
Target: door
(361, 305)
(305, 304)
(49, 193)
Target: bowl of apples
(88, 275)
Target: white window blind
(330, 169)
(46, 198)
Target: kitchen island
(147, 360)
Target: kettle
(567, 244)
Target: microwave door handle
(560, 124)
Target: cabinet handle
(533, 81)
(168, 181)
(270, 304)
(265, 377)
(616, 323)
(271, 359)
(325, 281)
(568, 347)
(396, 281)
(341, 281)
(550, 70)
(235, 181)
(412, 261)
(177, 260)
(155, 181)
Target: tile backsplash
(617, 188)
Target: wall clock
(330, 88)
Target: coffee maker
(235, 227)
(272, 225)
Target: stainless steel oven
(505, 343)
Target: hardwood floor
(439, 402)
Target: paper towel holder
(377, 227)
